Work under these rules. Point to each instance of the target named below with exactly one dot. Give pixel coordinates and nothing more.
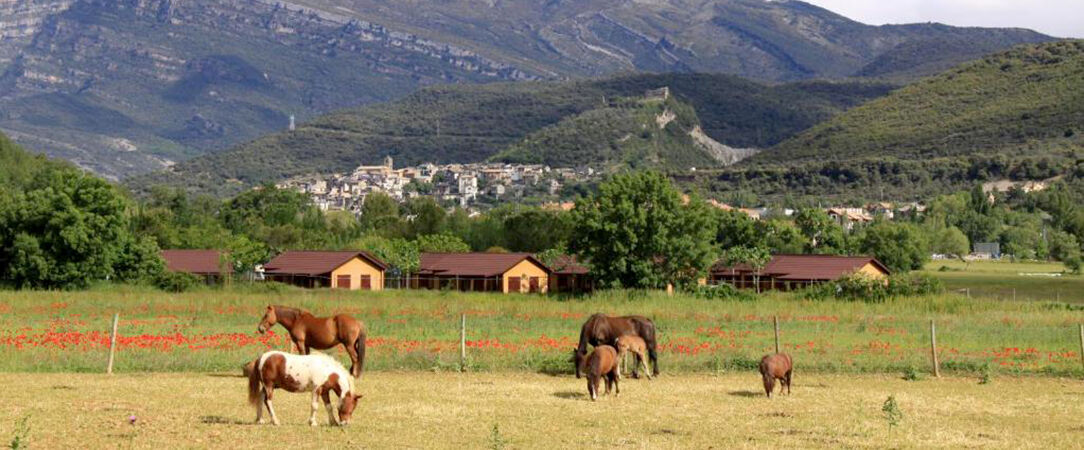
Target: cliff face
(127, 86)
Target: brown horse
(600, 329)
(778, 366)
(632, 344)
(311, 332)
(602, 363)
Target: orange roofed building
(321, 269)
(482, 272)
(208, 264)
(786, 272)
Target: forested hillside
(1027, 101)
(471, 123)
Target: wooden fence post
(776, 318)
(463, 343)
(112, 344)
(933, 350)
(1082, 344)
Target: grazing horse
(319, 373)
(321, 333)
(602, 363)
(632, 344)
(601, 329)
(778, 366)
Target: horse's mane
(289, 310)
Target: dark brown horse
(311, 332)
(776, 367)
(602, 363)
(601, 329)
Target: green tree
(948, 241)
(534, 229)
(780, 236)
(429, 217)
(378, 210)
(637, 233)
(900, 246)
(755, 257)
(822, 234)
(441, 243)
(734, 228)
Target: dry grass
(450, 410)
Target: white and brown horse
(317, 373)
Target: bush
(176, 281)
(861, 287)
(722, 291)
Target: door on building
(513, 284)
(343, 282)
(367, 282)
(533, 285)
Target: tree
(402, 255)
(534, 229)
(755, 257)
(378, 210)
(822, 234)
(900, 246)
(428, 217)
(441, 243)
(68, 229)
(948, 241)
(780, 236)
(734, 228)
(638, 233)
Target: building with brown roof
(321, 269)
(483, 272)
(208, 264)
(570, 275)
(786, 272)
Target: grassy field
(999, 280)
(522, 410)
(215, 330)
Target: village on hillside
(472, 186)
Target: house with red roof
(570, 275)
(482, 272)
(786, 272)
(208, 264)
(325, 269)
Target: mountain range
(124, 87)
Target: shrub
(722, 291)
(865, 288)
(176, 281)
(914, 284)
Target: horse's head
(269, 320)
(347, 404)
(578, 358)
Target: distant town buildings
(464, 185)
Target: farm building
(482, 272)
(316, 269)
(208, 264)
(569, 275)
(786, 272)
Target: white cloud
(1062, 18)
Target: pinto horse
(321, 333)
(319, 373)
(601, 329)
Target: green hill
(471, 123)
(1029, 100)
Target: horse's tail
(359, 347)
(254, 384)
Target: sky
(1061, 18)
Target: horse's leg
(259, 408)
(616, 377)
(609, 382)
(267, 402)
(592, 388)
(769, 384)
(353, 358)
(789, 373)
(314, 406)
(642, 359)
(331, 417)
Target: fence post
(933, 350)
(112, 344)
(776, 318)
(463, 342)
(1082, 344)
(1014, 294)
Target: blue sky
(1062, 18)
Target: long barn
(786, 272)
